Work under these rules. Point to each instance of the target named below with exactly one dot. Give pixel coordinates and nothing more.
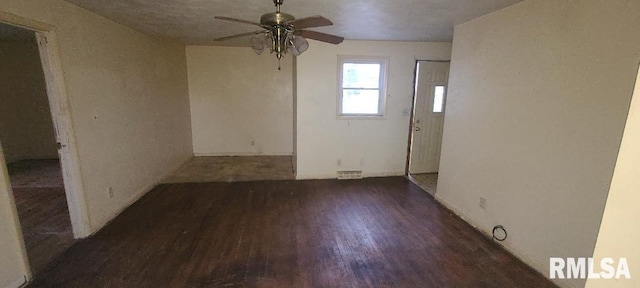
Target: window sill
(360, 117)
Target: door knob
(417, 129)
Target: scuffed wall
(129, 104)
(241, 104)
(538, 97)
(378, 147)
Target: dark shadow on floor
(42, 209)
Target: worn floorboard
(233, 169)
(427, 181)
(42, 210)
(378, 232)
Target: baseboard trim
(198, 154)
(335, 175)
(315, 176)
(20, 282)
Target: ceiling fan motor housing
(276, 18)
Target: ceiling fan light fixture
(258, 43)
(298, 45)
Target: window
(438, 99)
(361, 86)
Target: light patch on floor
(234, 169)
(428, 182)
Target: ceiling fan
(282, 32)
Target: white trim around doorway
(61, 115)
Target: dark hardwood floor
(379, 232)
(42, 209)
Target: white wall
(619, 234)
(240, 103)
(129, 105)
(538, 96)
(377, 147)
(26, 129)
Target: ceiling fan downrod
(278, 4)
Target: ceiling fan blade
(238, 20)
(309, 22)
(319, 36)
(239, 35)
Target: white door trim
(410, 136)
(61, 115)
(60, 111)
(4, 175)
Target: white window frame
(384, 72)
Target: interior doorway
(32, 147)
(425, 137)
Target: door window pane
(438, 99)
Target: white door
(428, 119)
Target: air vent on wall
(349, 175)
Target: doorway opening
(36, 142)
(427, 119)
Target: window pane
(355, 75)
(360, 101)
(438, 99)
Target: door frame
(61, 115)
(413, 111)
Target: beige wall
(129, 104)
(240, 103)
(619, 234)
(538, 97)
(26, 129)
(13, 267)
(377, 147)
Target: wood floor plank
(42, 210)
(378, 232)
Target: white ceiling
(399, 20)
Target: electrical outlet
(253, 143)
(483, 203)
(339, 162)
(110, 192)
